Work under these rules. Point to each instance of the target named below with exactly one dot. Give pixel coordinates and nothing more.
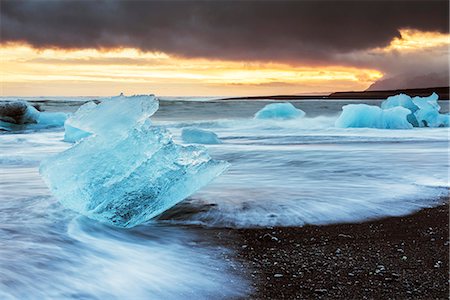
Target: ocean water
(283, 173)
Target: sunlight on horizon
(26, 71)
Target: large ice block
(127, 171)
(363, 115)
(420, 112)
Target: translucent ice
(399, 100)
(282, 111)
(127, 171)
(420, 112)
(405, 101)
(113, 116)
(362, 115)
(428, 114)
(199, 136)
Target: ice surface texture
(126, 171)
(281, 111)
(16, 115)
(362, 115)
(199, 136)
(396, 112)
(113, 116)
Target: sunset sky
(220, 48)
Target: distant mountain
(406, 81)
(443, 93)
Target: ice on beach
(405, 101)
(199, 136)
(362, 115)
(420, 112)
(428, 113)
(281, 111)
(16, 115)
(399, 100)
(127, 171)
(113, 116)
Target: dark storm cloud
(257, 30)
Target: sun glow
(26, 71)
(414, 40)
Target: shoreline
(392, 258)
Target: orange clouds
(127, 68)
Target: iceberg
(363, 115)
(17, 115)
(428, 114)
(405, 101)
(399, 100)
(420, 112)
(280, 111)
(199, 136)
(125, 171)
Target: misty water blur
(285, 173)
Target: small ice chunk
(199, 136)
(363, 115)
(280, 111)
(126, 171)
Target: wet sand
(393, 258)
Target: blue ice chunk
(113, 116)
(52, 119)
(405, 101)
(428, 113)
(444, 120)
(280, 111)
(199, 136)
(128, 174)
(73, 134)
(399, 100)
(363, 115)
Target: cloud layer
(307, 32)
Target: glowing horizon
(26, 71)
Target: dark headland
(443, 93)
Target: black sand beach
(393, 258)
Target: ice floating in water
(396, 112)
(127, 171)
(18, 115)
(362, 115)
(282, 111)
(199, 136)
